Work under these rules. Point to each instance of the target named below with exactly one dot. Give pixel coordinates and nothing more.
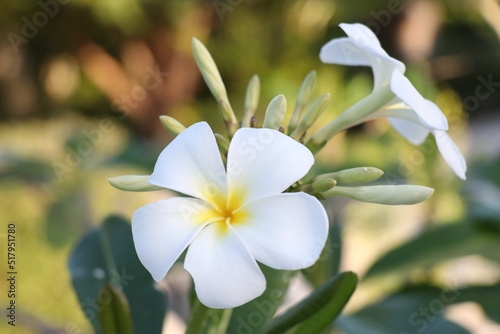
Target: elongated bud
(275, 113)
(172, 125)
(311, 116)
(318, 186)
(251, 100)
(228, 117)
(386, 194)
(303, 98)
(354, 175)
(133, 183)
(209, 70)
(222, 143)
(212, 77)
(356, 114)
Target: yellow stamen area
(225, 211)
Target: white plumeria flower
(409, 113)
(232, 218)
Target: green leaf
(418, 310)
(319, 309)
(329, 261)
(251, 317)
(107, 256)
(439, 244)
(61, 226)
(114, 311)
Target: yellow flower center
(226, 210)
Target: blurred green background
(82, 84)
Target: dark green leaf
(439, 244)
(419, 310)
(319, 309)
(90, 271)
(114, 311)
(251, 317)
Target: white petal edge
(343, 51)
(451, 154)
(429, 114)
(162, 231)
(264, 162)
(366, 39)
(413, 132)
(224, 272)
(287, 231)
(191, 164)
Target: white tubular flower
(233, 218)
(409, 113)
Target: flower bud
(275, 113)
(312, 114)
(133, 183)
(354, 175)
(318, 186)
(303, 97)
(172, 125)
(209, 70)
(251, 100)
(385, 194)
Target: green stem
(351, 116)
(109, 261)
(198, 319)
(224, 321)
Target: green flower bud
(214, 82)
(209, 70)
(303, 98)
(251, 100)
(385, 194)
(133, 183)
(318, 186)
(172, 125)
(275, 113)
(354, 175)
(311, 116)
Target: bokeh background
(82, 84)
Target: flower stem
(198, 319)
(351, 116)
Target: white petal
(413, 132)
(191, 164)
(382, 64)
(343, 51)
(286, 231)
(263, 162)
(163, 230)
(451, 154)
(429, 114)
(224, 272)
